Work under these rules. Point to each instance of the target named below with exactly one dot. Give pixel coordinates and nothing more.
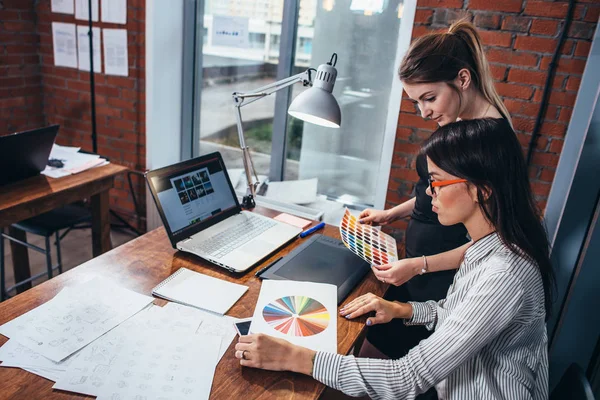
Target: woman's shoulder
(514, 263)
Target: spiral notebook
(201, 291)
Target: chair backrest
(573, 385)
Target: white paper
(295, 192)
(89, 370)
(202, 291)
(50, 374)
(234, 176)
(212, 325)
(64, 43)
(230, 31)
(73, 162)
(303, 313)
(62, 6)
(162, 365)
(14, 354)
(114, 11)
(115, 52)
(82, 10)
(65, 324)
(83, 48)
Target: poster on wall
(114, 11)
(83, 48)
(82, 10)
(230, 31)
(64, 44)
(115, 52)
(62, 6)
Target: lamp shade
(317, 104)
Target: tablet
(321, 259)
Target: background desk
(40, 194)
(141, 264)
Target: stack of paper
(102, 340)
(73, 161)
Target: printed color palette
(370, 244)
(296, 316)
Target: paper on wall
(230, 31)
(64, 43)
(115, 52)
(62, 6)
(114, 11)
(303, 313)
(82, 10)
(83, 48)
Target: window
(347, 161)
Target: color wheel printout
(370, 244)
(302, 313)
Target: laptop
(25, 154)
(202, 215)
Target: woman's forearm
(447, 260)
(402, 210)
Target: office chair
(573, 385)
(47, 225)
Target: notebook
(198, 290)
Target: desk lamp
(315, 105)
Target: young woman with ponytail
(448, 77)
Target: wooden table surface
(141, 264)
(39, 194)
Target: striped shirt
(489, 342)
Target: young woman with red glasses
(489, 339)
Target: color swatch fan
(370, 244)
(296, 316)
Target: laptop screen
(193, 194)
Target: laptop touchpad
(257, 247)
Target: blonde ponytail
(467, 32)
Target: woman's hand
(398, 272)
(384, 310)
(266, 352)
(373, 217)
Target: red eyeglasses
(434, 184)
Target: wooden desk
(40, 194)
(141, 264)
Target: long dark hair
(488, 155)
(438, 57)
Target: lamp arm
(239, 101)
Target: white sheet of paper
(83, 48)
(303, 313)
(212, 325)
(50, 374)
(162, 364)
(115, 52)
(114, 11)
(296, 192)
(234, 176)
(82, 10)
(198, 290)
(65, 324)
(230, 31)
(65, 44)
(14, 354)
(89, 370)
(62, 6)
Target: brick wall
(120, 102)
(20, 79)
(520, 37)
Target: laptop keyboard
(228, 240)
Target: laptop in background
(202, 215)
(25, 154)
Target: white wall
(164, 59)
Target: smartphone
(242, 326)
